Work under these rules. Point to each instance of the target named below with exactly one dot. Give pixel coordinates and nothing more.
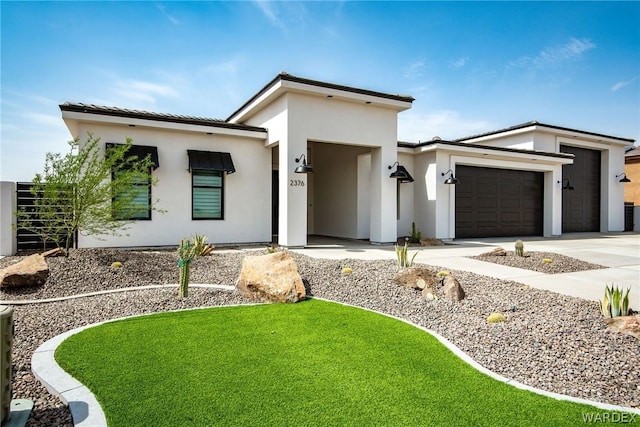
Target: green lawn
(311, 363)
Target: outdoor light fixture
(452, 179)
(401, 174)
(624, 177)
(304, 167)
(566, 186)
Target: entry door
(581, 206)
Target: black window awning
(210, 161)
(141, 152)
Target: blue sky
(472, 67)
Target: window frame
(148, 216)
(221, 187)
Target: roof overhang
(497, 153)
(531, 127)
(286, 83)
(75, 114)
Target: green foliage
(76, 193)
(402, 255)
(519, 248)
(187, 251)
(615, 302)
(347, 270)
(496, 318)
(416, 235)
(442, 274)
(272, 249)
(116, 265)
(547, 260)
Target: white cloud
(556, 55)
(619, 85)
(143, 93)
(460, 62)
(269, 11)
(414, 70)
(170, 17)
(447, 124)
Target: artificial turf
(310, 363)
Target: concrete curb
(111, 291)
(87, 412)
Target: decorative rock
(629, 325)
(31, 271)
(429, 293)
(52, 252)
(415, 278)
(495, 252)
(431, 242)
(270, 278)
(452, 289)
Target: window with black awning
(210, 161)
(141, 152)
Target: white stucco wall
(7, 218)
(247, 192)
(297, 119)
(406, 196)
(424, 193)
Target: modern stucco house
(237, 180)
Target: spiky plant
(615, 302)
(519, 248)
(187, 251)
(402, 254)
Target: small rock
(452, 289)
(31, 271)
(495, 252)
(629, 325)
(415, 278)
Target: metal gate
(28, 240)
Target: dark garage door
(498, 202)
(581, 206)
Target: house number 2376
(296, 183)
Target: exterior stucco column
(8, 244)
(552, 219)
(383, 226)
(292, 187)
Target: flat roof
(536, 123)
(485, 147)
(288, 77)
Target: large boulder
(416, 278)
(495, 252)
(270, 278)
(452, 289)
(31, 271)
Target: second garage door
(498, 202)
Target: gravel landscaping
(543, 262)
(550, 341)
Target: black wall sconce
(566, 186)
(452, 180)
(304, 167)
(401, 174)
(624, 177)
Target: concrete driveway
(619, 252)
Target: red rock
(31, 271)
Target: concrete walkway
(619, 252)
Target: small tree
(87, 192)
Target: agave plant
(402, 254)
(615, 302)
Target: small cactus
(547, 260)
(519, 248)
(496, 318)
(442, 274)
(347, 270)
(116, 264)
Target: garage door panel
(581, 206)
(494, 202)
